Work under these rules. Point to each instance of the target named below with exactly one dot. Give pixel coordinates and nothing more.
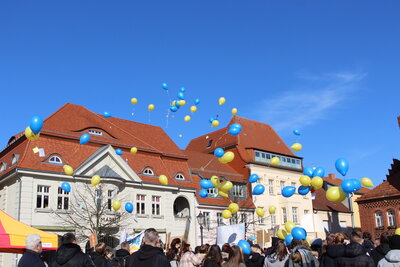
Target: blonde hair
(100, 248)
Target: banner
(93, 240)
(135, 242)
(231, 234)
(186, 234)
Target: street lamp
(200, 220)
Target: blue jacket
(31, 259)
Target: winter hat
(394, 242)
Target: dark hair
(330, 239)
(214, 254)
(339, 239)
(175, 241)
(203, 249)
(256, 246)
(357, 233)
(367, 235)
(185, 248)
(280, 250)
(226, 248)
(68, 238)
(384, 238)
(172, 253)
(100, 248)
(196, 250)
(235, 257)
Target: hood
(383, 249)
(66, 252)
(120, 253)
(335, 251)
(393, 256)
(147, 252)
(353, 250)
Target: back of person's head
(32, 241)
(226, 248)
(185, 248)
(301, 242)
(367, 235)
(203, 249)
(280, 250)
(339, 239)
(68, 238)
(256, 249)
(172, 253)
(125, 245)
(214, 254)
(235, 257)
(330, 239)
(394, 242)
(197, 250)
(356, 236)
(384, 239)
(151, 237)
(100, 248)
(175, 242)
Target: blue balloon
(308, 171)
(119, 151)
(206, 184)
(253, 178)
(289, 239)
(299, 233)
(258, 189)
(356, 185)
(36, 124)
(129, 207)
(252, 238)
(177, 104)
(234, 131)
(197, 101)
(304, 190)
(347, 186)
(84, 139)
(106, 114)
(173, 108)
(182, 89)
(288, 191)
(342, 166)
(296, 132)
(181, 95)
(211, 119)
(236, 125)
(66, 187)
(164, 86)
(320, 172)
(245, 246)
(219, 152)
(203, 193)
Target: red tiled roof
(333, 180)
(321, 203)
(384, 190)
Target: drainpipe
(352, 214)
(19, 206)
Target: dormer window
(209, 143)
(15, 159)
(179, 176)
(95, 132)
(3, 167)
(55, 160)
(148, 171)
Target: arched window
(379, 219)
(391, 218)
(181, 208)
(14, 159)
(3, 167)
(179, 176)
(55, 160)
(148, 171)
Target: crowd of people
(356, 250)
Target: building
(253, 148)
(31, 173)
(381, 206)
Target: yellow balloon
(215, 181)
(150, 107)
(227, 157)
(233, 207)
(289, 226)
(173, 103)
(260, 212)
(221, 101)
(116, 205)
(95, 180)
(317, 182)
(367, 182)
(305, 180)
(134, 150)
(275, 161)
(226, 214)
(225, 186)
(335, 194)
(193, 108)
(223, 194)
(182, 102)
(163, 179)
(281, 234)
(271, 209)
(215, 123)
(187, 118)
(134, 100)
(296, 147)
(397, 232)
(234, 111)
(30, 135)
(68, 170)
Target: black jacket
(121, 256)
(379, 252)
(99, 260)
(148, 256)
(368, 245)
(255, 260)
(209, 263)
(354, 256)
(71, 255)
(31, 259)
(332, 253)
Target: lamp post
(200, 220)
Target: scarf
(307, 259)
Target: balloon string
(149, 117)
(168, 110)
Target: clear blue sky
(328, 68)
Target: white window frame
(156, 205)
(179, 176)
(378, 218)
(148, 171)
(207, 220)
(95, 132)
(55, 161)
(295, 214)
(271, 186)
(64, 198)
(110, 196)
(219, 219)
(212, 192)
(141, 204)
(238, 190)
(306, 212)
(234, 219)
(273, 219)
(41, 192)
(98, 196)
(14, 160)
(391, 217)
(282, 185)
(284, 215)
(3, 167)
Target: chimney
(332, 176)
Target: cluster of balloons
(116, 205)
(235, 129)
(32, 132)
(214, 182)
(222, 156)
(180, 101)
(296, 233)
(214, 122)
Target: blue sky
(328, 68)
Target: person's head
(203, 249)
(300, 243)
(256, 249)
(226, 248)
(357, 237)
(394, 242)
(330, 239)
(384, 239)
(33, 242)
(176, 243)
(68, 238)
(125, 245)
(151, 237)
(172, 254)
(235, 257)
(339, 239)
(100, 248)
(280, 250)
(108, 253)
(367, 235)
(185, 248)
(214, 254)
(197, 250)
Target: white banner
(231, 234)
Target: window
(282, 185)
(148, 171)
(62, 199)
(379, 219)
(55, 160)
(155, 205)
(219, 218)
(212, 192)
(209, 143)
(140, 204)
(391, 218)
(233, 219)
(179, 176)
(326, 226)
(343, 225)
(206, 220)
(271, 187)
(294, 213)
(3, 167)
(42, 199)
(14, 159)
(257, 154)
(244, 218)
(294, 184)
(238, 190)
(98, 198)
(289, 162)
(284, 215)
(110, 195)
(95, 132)
(306, 212)
(273, 219)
